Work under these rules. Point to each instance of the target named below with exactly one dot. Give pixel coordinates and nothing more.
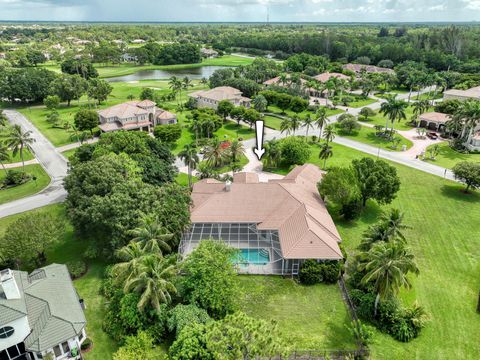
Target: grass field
(368, 135)
(29, 188)
(445, 238)
(448, 158)
(310, 317)
(27, 155)
(182, 179)
(379, 119)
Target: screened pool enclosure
(259, 250)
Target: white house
(40, 314)
(211, 98)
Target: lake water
(195, 73)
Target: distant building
(128, 57)
(275, 225)
(40, 314)
(472, 93)
(277, 81)
(134, 115)
(211, 98)
(209, 53)
(138, 41)
(3, 55)
(358, 68)
(323, 78)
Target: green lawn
(29, 188)
(182, 179)
(445, 237)
(431, 95)
(379, 119)
(448, 158)
(310, 317)
(27, 155)
(368, 135)
(69, 153)
(70, 248)
(361, 103)
(272, 122)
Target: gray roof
(51, 303)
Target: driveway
(51, 160)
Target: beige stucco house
(211, 98)
(470, 94)
(358, 68)
(134, 115)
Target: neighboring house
(473, 93)
(211, 98)
(3, 55)
(276, 225)
(134, 115)
(358, 68)
(433, 120)
(323, 78)
(209, 53)
(40, 314)
(303, 83)
(138, 41)
(128, 57)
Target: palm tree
(420, 107)
(153, 279)
(325, 153)
(235, 151)
(273, 153)
(389, 228)
(4, 156)
(130, 256)
(295, 123)
(286, 126)
(260, 103)
(152, 235)
(329, 133)
(387, 266)
(321, 120)
(204, 81)
(17, 140)
(308, 123)
(130, 97)
(3, 119)
(186, 83)
(467, 114)
(176, 86)
(190, 157)
(394, 110)
(214, 153)
(394, 221)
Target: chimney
(228, 185)
(9, 285)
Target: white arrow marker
(259, 150)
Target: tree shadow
(457, 192)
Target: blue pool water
(254, 256)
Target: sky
(242, 10)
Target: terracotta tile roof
(473, 93)
(291, 205)
(327, 76)
(143, 103)
(219, 93)
(164, 114)
(123, 111)
(435, 117)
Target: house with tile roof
(358, 68)
(275, 225)
(40, 314)
(324, 77)
(212, 97)
(134, 115)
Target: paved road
(52, 161)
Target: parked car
(432, 135)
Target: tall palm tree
(329, 133)
(286, 126)
(389, 228)
(176, 86)
(394, 110)
(204, 81)
(325, 153)
(308, 123)
(153, 280)
(235, 151)
(190, 157)
(468, 115)
(131, 256)
(4, 156)
(394, 221)
(321, 120)
(273, 153)
(260, 103)
(295, 123)
(18, 140)
(387, 266)
(152, 235)
(214, 153)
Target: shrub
(294, 151)
(183, 315)
(366, 113)
(346, 100)
(168, 133)
(76, 268)
(15, 178)
(87, 344)
(310, 272)
(348, 123)
(330, 271)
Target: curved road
(56, 165)
(51, 160)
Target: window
(57, 351)
(6, 332)
(80, 336)
(65, 347)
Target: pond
(195, 73)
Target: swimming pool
(253, 256)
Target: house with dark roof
(40, 314)
(275, 225)
(134, 115)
